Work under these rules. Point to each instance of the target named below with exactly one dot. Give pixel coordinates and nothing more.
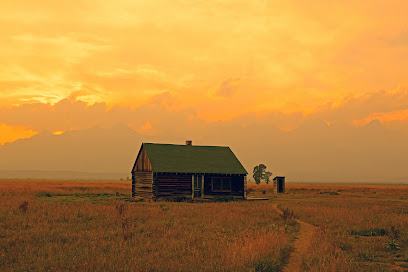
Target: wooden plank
(142, 162)
(245, 187)
(143, 184)
(172, 185)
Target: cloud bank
(325, 145)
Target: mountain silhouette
(314, 152)
(91, 150)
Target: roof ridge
(188, 145)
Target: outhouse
(279, 184)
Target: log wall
(151, 185)
(172, 185)
(142, 162)
(245, 187)
(143, 184)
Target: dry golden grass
(93, 226)
(361, 227)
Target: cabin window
(221, 184)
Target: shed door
(281, 185)
(197, 185)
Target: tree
(259, 173)
(268, 177)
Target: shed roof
(278, 177)
(193, 159)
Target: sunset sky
(78, 64)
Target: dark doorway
(281, 186)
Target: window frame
(223, 179)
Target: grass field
(83, 226)
(93, 226)
(360, 227)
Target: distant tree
(268, 177)
(259, 173)
(127, 178)
(121, 179)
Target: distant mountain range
(314, 152)
(75, 154)
(61, 175)
(90, 154)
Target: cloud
(211, 69)
(13, 133)
(312, 152)
(303, 147)
(72, 113)
(368, 107)
(262, 55)
(166, 113)
(74, 96)
(227, 88)
(165, 100)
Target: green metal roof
(193, 159)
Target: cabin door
(198, 185)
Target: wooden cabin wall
(172, 185)
(237, 187)
(133, 184)
(245, 187)
(142, 162)
(143, 184)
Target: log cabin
(168, 171)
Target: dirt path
(301, 244)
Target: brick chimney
(189, 142)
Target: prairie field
(92, 225)
(359, 227)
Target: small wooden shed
(187, 171)
(279, 184)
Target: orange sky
(209, 60)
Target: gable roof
(193, 159)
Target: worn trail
(301, 244)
